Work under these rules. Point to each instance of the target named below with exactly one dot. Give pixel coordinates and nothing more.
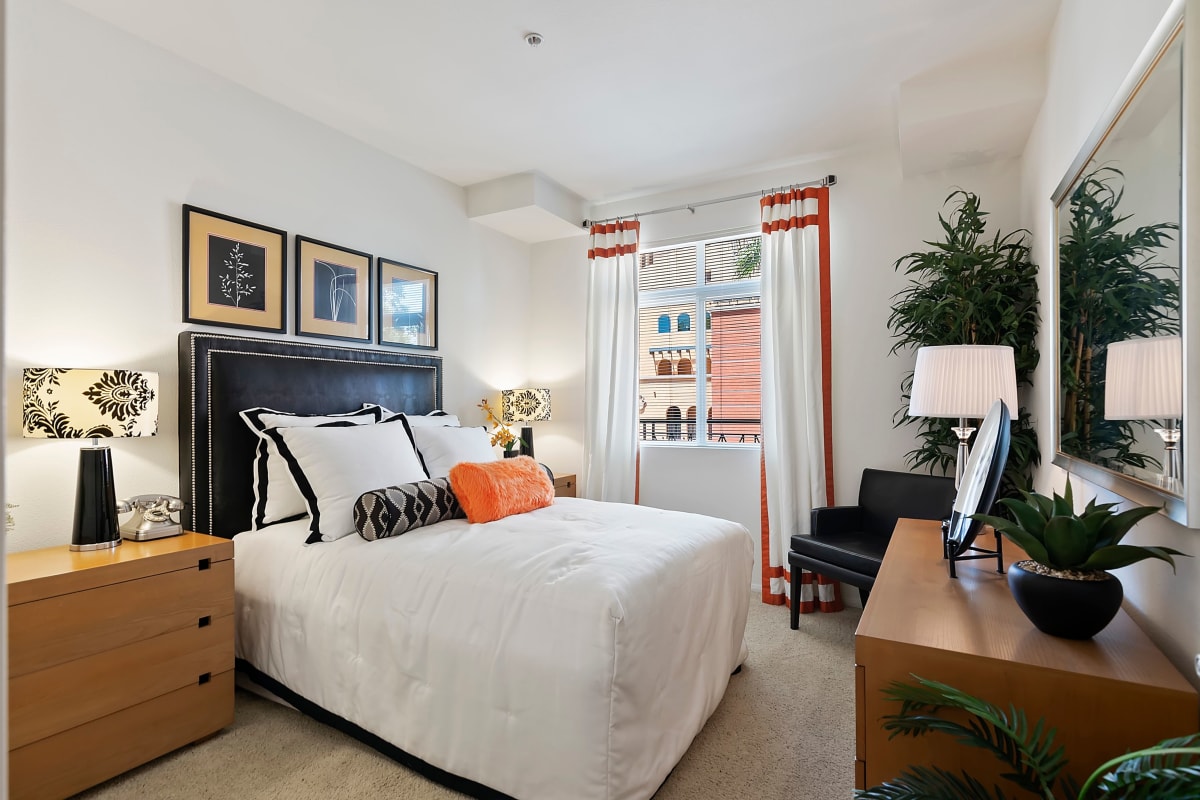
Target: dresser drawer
(52, 700)
(71, 626)
(61, 765)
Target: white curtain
(792, 399)
(611, 381)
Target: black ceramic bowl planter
(1064, 587)
(1072, 604)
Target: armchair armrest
(832, 520)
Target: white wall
(107, 137)
(1094, 44)
(876, 215)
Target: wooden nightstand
(564, 485)
(115, 658)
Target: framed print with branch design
(234, 272)
(408, 305)
(333, 291)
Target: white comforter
(566, 654)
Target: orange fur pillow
(497, 489)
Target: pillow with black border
(394, 510)
(276, 498)
(333, 465)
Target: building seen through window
(700, 385)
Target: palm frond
(930, 783)
(1034, 759)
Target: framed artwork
(407, 305)
(234, 272)
(333, 291)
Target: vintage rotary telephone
(151, 516)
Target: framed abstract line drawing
(234, 272)
(408, 305)
(333, 291)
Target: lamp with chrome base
(962, 382)
(90, 404)
(1143, 380)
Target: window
(712, 371)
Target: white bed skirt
(567, 654)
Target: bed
(572, 652)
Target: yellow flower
(501, 435)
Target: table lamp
(962, 381)
(525, 405)
(90, 404)
(1143, 379)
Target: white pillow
(442, 447)
(437, 417)
(439, 420)
(334, 465)
(276, 497)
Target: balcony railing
(675, 429)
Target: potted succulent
(1064, 587)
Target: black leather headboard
(221, 375)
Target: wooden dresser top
(915, 602)
(37, 574)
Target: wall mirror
(1124, 312)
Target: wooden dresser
(115, 658)
(1115, 693)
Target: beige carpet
(784, 730)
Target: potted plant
(1169, 769)
(968, 288)
(1063, 587)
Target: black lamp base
(95, 502)
(527, 441)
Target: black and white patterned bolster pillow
(381, 513)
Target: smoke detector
(533, 39)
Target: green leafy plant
(1111, 288)
(1050, 531)
(969, 289)
(1035, 762)
(749, 259)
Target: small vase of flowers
(502, 435)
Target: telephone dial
(151, 517)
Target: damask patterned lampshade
(89, 403)
(525, 405)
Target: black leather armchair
(848, 542)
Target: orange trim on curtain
(826, 339)
(637, 477)
(768, 572)
(608, 228)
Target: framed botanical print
(407, 305)
(333, 291)
(234, 272)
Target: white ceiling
(623, 97)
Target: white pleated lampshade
(962, 380)
(1143, 379)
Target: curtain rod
(828, 180)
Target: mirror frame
(1171, 26)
